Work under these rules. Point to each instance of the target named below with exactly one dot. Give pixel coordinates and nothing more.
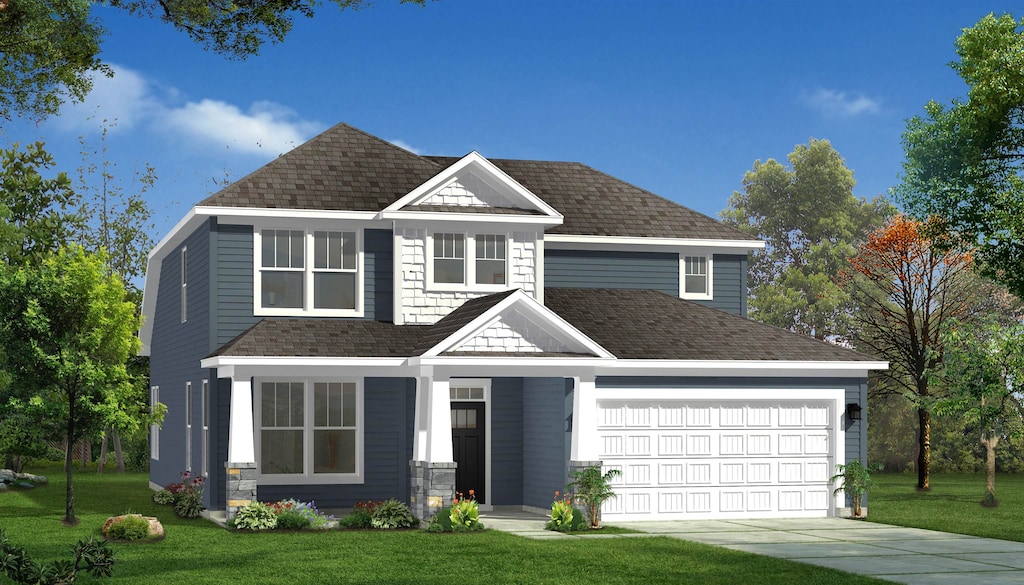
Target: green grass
(197, 552)
(952, 505)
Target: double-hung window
(696, 277)
(154, 429)
(188, 426)
(184, 285)
(310, 429)
(468, 261)
(314, 272)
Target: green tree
(65, 340)
(811, 223)
(49, 49)
(38, 214)
(984, 368)
(963, 161)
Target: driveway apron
(904, 555)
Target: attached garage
(743, 454)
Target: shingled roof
(631, 324)
(347, 169)
(645, 324)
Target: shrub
(562, 513)
(129, 528)
(591, 487)
(88, 556)
(465, 513)
(291, 520)
(164, 497)
(188, 502)
(357, 519)
(441, 521)
(393, 514)
(256, 516)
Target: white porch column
(584, 445)
(439, 422)
(241, 445)
(419, 439)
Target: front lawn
(196, 551)
(952, 505)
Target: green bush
(129, 528)
(256, 516)
(291, 520)
(441, 521)
(90, 556)
(393, 514)
(189, 504)
(357, 519)
(163, 497)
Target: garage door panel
(700, 459)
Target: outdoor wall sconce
(853, 411)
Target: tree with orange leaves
(908, 292)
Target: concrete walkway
(904, 555)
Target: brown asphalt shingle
(631, 324)
(347, 169)
(645, 324)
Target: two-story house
(353, 321)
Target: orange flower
(471, 493)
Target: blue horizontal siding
(611, 269)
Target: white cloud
(839, 104)
(265, 128)
(128, 99)
(406, 146)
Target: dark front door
(468, 447)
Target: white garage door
(682, 459)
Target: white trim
(154, 429)
(299, 362)
(204, 422)
(584, 440)
(473, 160)
(241, 428)
(188, 426)
(544, 317)
(308, 272)
(398, 275)
(457, 217)
(183, 260)
(249, 215)
(709, 289)
(485, 383)
(308, 431)
(563, 241)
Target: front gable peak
(474, 185)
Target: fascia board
(443, 177)
(472, 327)
(454, 216)
(739, 368)
(556, 241)
(299, 361)
(248, 215)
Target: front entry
(468, 448)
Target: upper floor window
(696, 277)
(468, 260)
(309, 272)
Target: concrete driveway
(903, 555)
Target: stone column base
(240, 486)
(578, 466)
(431, 487)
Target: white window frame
(205, 422)
(308, 477)
(184, 284)
(154, 429)
(188, 426)
(709, 293)
(307, 270)
(469, 271)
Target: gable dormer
(468, 231)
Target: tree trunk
(86, 452)
(103, 452)
(990, 460)
(856, 506)
(924, 449)
(69, 501)
(118, 453)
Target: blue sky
(678, 97)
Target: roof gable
(510, 322)
(471, 183)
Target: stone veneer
(423, 307)
(431, 487)
(241, 486)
